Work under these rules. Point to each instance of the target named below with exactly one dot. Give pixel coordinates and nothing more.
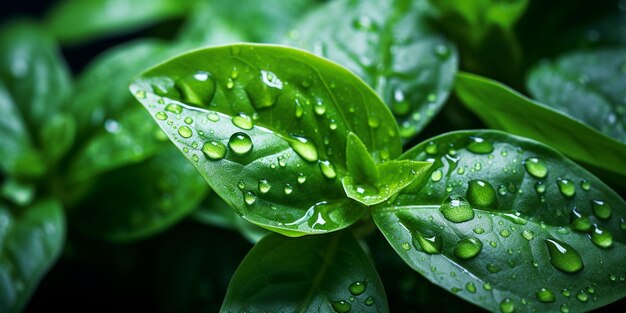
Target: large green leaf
(139, 200)
(80, 20)
(587, 86)
(30, 242)
(329, 273)
(391, 46)
(508, 222)
(503, 108)
(267, 127)
(35, 85)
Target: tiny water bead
(507, 306)
(470, 287)
(456, 209)
(545, 295)
(479, 145)
(601, 209)
(213, 117)
(357, 287)
(564, 257)
(161, 115)
(566, 187)
(174, 108)
(468, 248)
(341, 306)
(288, 189)
(481, 194)
(602, 237)
(528, 234)
(585, 184)
(582, 296)
(214, 150)
(431, 148)
(185, 132)
(505, 233)
(580, 223)
(301, 178)
(436, 175)
(304, 148)
(487, 286)
(188, 120)
(243, 121)
(536, 167)
(369, 301)
(479, 230)
(240, 143)
(264, 186)
(564, 308)
(328, 169)
(249, 198)
(492, 268)
(540, 187)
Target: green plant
(315, 161)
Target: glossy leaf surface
(501, 107)
(329, 273)
(506, 222)
(587, 86)
(77, 20)
(391, 46)
(137, 201)
(30, 242)
(266, 126)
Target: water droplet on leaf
(240, 143)
(564, 257)
(468, 248)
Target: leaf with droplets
(391, 46)
(510, 217)
(587, 86)
(500, 107)
(329, 273)
(31, 239)
(267, 128)
(139, 200)
(34, 85)
(371, 184)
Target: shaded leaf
(494, 220)
(329, 273)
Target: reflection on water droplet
(249, 198)
(507, 306)
(431, 148)
(478, 145)
(468, 248)
(214, 150)
(174, 108)
(582, 296)
(528, 235)
(161, 115)
(328, 169)
(492, 268)
(481, 194)
(288, 189)
(184, 132)
(264, 185)
(188, 120)
(456, 209)
(564, 308)
(301, 178)
(585, 184)
(369, 301)
(341, 306)
(304, 148)
(436, 175)
(602, 237)
(470, 287)
(601, 209)
(564, 257)
(213, 117)
(479, 230)
(240, 143)
(536, 167)
(242, 121)
(545, 295)
(357, 287)
(566, 187)
(579, 222)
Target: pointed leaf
(30, 242)
(267, 126)
(329, 273)
(506, 222)
(391, 45)
(501, 107)
(359, 162)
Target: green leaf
(490, 224)
(371, 184)
(329, 273)
(391, 46)
(267, 127)
(587, 86)
(140, 200)
(30, 242)
(36, 84)
(77, 20)
(215, 212)
(503, 108)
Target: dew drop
(507, 306)
(481, 194)
(579, 222)
(328, 169)
(188, 120)
(304, 148)
(264, 185)
(341, 306)
(566, 187)
(468, 248)
(242, 121)
(479, 230)
(357, 287)
(301, 178)
(241, 185)
(528, 235)
(545, 295)
(536, 167)
(582, 296)
(456, 209)
(564, 257)
(540, 187)
(161, 115)
(369, 301)
(601, 209)
(249, 198)
(585, 184)
(436, 175)
(431, 148)
(213, 117)
(470, 287)
(479, 145)
(214, 150)
(601, 237)
(240, 143)
(505, 233)
(487, 286)
(564, 308)
(184, 132)
(319, 108)
(492, 268)
(428, 244)
(288, 189)
(174, 108)
(140, 94)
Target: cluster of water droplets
(357, 290)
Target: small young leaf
(30, 242)
(391, 46)
(506, 221)
(329, 273)
(267, 127)
(137, 201)
(360, 164)
(587, 86)
(76, 20)
(500, 107)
